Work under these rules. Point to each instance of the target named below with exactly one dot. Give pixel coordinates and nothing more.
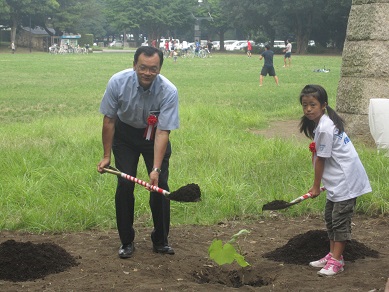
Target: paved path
(119, 51)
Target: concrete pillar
(365, 65)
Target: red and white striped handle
(137, 180)
(306, 196)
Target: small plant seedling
(226, 254)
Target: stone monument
(365, 65)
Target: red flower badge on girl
(312, 147)
(151, 124)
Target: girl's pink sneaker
(332, 268)
(323, 261)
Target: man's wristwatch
(156, 169)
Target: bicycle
(203, 53)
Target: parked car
(234, 45)
(241, 45)
(228, 43)
(279, 44)
(216, 45)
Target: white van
(228, 43)
(279, 44)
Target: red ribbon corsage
(312, 147)
(151, 122)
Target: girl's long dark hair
(306, 125)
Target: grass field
(50, 140)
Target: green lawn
(51, 140)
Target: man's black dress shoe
(164, 249)
(126, 251)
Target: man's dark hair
(267, 46)
(149, 52)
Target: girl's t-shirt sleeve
(324, 142)
(324, 137)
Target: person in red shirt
(167, 49)
(249, 48)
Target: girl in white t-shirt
(338, 167)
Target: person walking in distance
(249, 48)
(268, 67)
(288, 53)
(337, 166)
(140, 108)
(167, 49)
(197, 48)
(209, 47)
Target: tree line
(324, 21)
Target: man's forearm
(107, 135)
(160, 145)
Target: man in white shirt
(288, 53)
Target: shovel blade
(277, 205)
(188, 193)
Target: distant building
(36, 38)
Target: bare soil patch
(289, 129)
(282, 129)
(278, 250)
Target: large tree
(4, 13)
(65, 17)
(324, 20)
(62, 15)
(300, 20)
(151, 17)
(71, 16)
(166, 17)
(300, 16)
(220, 23)
(92, 19)
(334, 19)
(256, 19)
(19, 9)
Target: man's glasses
(144, 69)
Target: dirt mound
(313, 245)
(25, 261)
